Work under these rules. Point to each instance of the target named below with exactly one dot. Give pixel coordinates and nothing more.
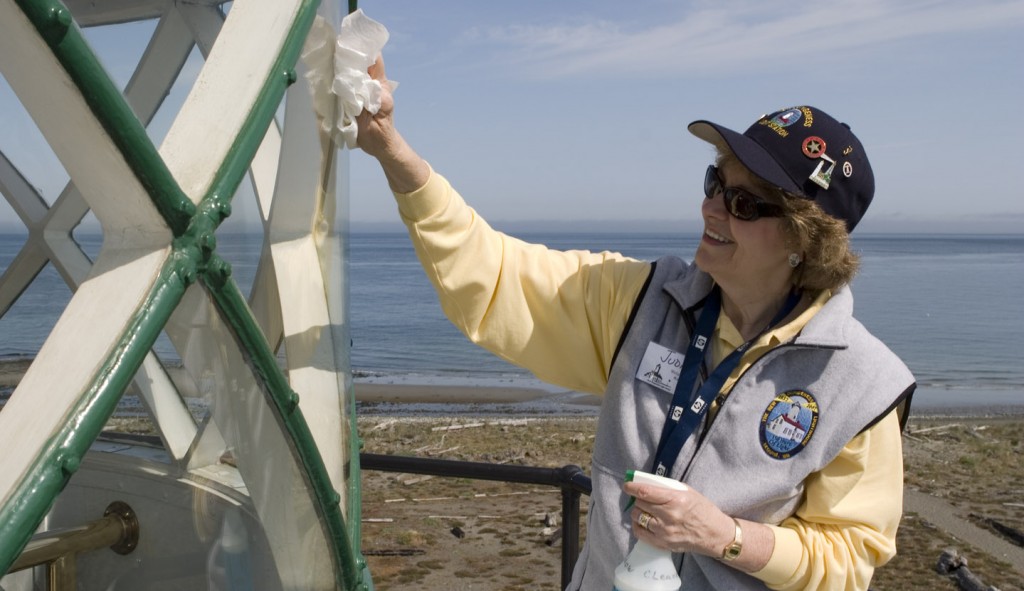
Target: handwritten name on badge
(660, 367)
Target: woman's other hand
(378, 137)
(377, 134)
(687, 521)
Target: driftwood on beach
(954, 565)
(1012, 534)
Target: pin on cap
(787, 149)
(813, 146)
(823, 178)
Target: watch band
(732, 551)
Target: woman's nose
(714, 205)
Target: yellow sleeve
(846, 526)
(558, 314)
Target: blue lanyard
(688, 407)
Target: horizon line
(1003, 226)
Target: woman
(743, 375)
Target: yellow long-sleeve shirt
(561, 314)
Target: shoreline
(412, 400)
(434, 395)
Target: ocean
(949, 305)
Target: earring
(794, 260)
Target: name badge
(660, 367)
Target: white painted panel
(311, 351)
(135, 248)
(226, 90)
(296, 223)
(78, 140)
(24, 199)
(160, 64)
(19, 274)
(86, 332)
(264, 169)
(168, 410)
(66, 255)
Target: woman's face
(741, 254)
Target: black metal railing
(570, 479)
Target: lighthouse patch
(788, 424)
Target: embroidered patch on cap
(788, 424)
(787, 118)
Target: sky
(574, 112)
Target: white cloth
(337, 72)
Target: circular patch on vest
(788, 424)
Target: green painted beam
(54, 22)
(38, 490)
(234, 310)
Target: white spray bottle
(647, 568)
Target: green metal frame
(193, 259)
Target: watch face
(733, 550)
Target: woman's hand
(687, 521)
(378, 137)
(681, 521)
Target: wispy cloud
(736, 35)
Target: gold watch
(732, 551)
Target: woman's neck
(752, 312)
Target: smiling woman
(758, 346)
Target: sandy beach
(963, 479)
(964, 474)
(964, 469)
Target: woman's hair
(820, 239)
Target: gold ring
(644, 519)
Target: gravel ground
(464, 534)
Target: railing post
(570, 532)
(574, 483)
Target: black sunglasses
(743, 205)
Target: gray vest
(787, 416)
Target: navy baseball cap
(803, 150)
